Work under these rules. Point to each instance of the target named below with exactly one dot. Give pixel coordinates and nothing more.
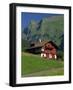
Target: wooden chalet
(46, 49)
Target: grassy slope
(33, 65)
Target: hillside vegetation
(51, 29)
(34, 65)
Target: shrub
(60, 55)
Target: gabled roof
(42, 43)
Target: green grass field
(34, 65)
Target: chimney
(40, 40)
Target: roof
(41, 44)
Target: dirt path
(50, 72)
